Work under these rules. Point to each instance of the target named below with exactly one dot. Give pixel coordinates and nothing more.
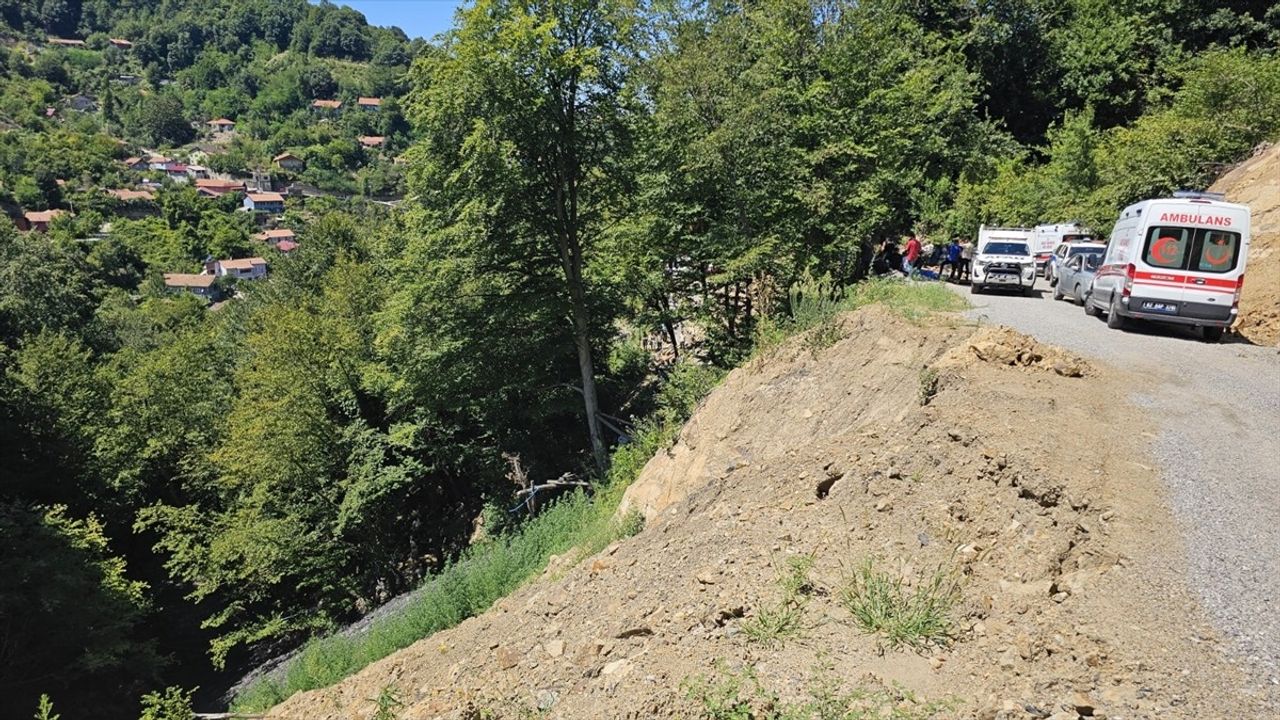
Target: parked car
(1076, 276)
(1064, 251)
(1003, 264)
(1175, 260)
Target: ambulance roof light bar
(1199, 195)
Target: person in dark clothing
(951, 257)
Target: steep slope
(1256, 183)
(1022, 475)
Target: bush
(919, 618)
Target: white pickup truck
(1003, 260)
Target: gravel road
(1218, 448)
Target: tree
(525, 120)
(159, 119)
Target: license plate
(1159, 307)
(1003, 278)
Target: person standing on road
(951, 256)
(912, 256)
(966, 257)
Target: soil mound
(1256, 183)
(920, 450)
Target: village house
(198, 172)
(222, 126)
(177, 172)
(199, 285)
(158, 162)
(372, 104)
(136, 163)
(127, 195)
(121, 43)
(209, 187)
(264, 202)
(276, 236)
(38, 220)
(289, 161)
(287, 246)
(326, 106)
(65, 42)
(372, 141)
(134, 204)
(252, 268)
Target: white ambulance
(1046, 238)
(1177, 260)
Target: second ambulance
(1177, 260)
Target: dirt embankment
(1023, 474)
(1256, 183)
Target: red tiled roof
(266, 197)
(327, 104)
(278, 233)
(188, 280)
(285, 156)
(222, 121)
(286, 246)
(65, 41)
(372, 140)
(216, 184)
(120, 42)
(371, 101)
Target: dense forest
(595, 191)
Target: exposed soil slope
(1256, 183)
(1022, 473)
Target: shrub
(917, 618)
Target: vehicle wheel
(1212, 334)
(974, 288)
(1089, 308)
(1049, 278)
(1027, 290)
(1115, 320)
(1057, 292)
(1077, 297)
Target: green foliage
(916, 615)
(928, 385)
(172, 704)
(387, 703)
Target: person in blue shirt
(951, 256)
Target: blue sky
(418, 18)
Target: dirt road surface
(1216, 442)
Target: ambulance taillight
(1235, 298)
(1129, 272)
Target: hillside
(1256, 183)
(1051, 519)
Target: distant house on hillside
(128, 79)
(289, 161)
(127, 195)
(121, 43)
(326, 106)
(198, 172)
(83, 103)
(286, 246)
(136, 163)
(158, 162)
(372, 104)
(218, 188)
(222, 125)
(277, 236)
(177, 172)
(372, 141)
(264, 202)
(199, 285)
(243, 269)
(38, 220)
(65, 42)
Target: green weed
(916, 618)
(387, 703)
(45, 710)
(173, 704)
(928, 385)
(728, 695)
(773, 623)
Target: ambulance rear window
(1167, 247)
(1218, 251)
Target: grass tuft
(928, 385)
(774, 623)
(917, 618)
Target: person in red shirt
(911, 257)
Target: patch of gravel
(1217, 413)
